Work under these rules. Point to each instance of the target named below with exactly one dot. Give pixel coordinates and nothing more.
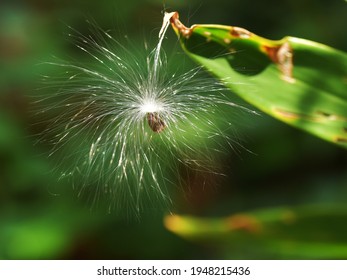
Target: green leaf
(312, 231)
(299, 82)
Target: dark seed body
(155, 122)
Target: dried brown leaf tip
(179, 26)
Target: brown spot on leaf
(287, 114)
(244, 222)
(324, 114)
(341, 140)
(328, 116)
(331, 117)
(178, 25)
(227, 41)
(283, 56)
(240, 33)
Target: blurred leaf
(302, 232)
(297, 81)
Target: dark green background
(285, 167)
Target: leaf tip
(178, 26)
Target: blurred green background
(284, 199)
